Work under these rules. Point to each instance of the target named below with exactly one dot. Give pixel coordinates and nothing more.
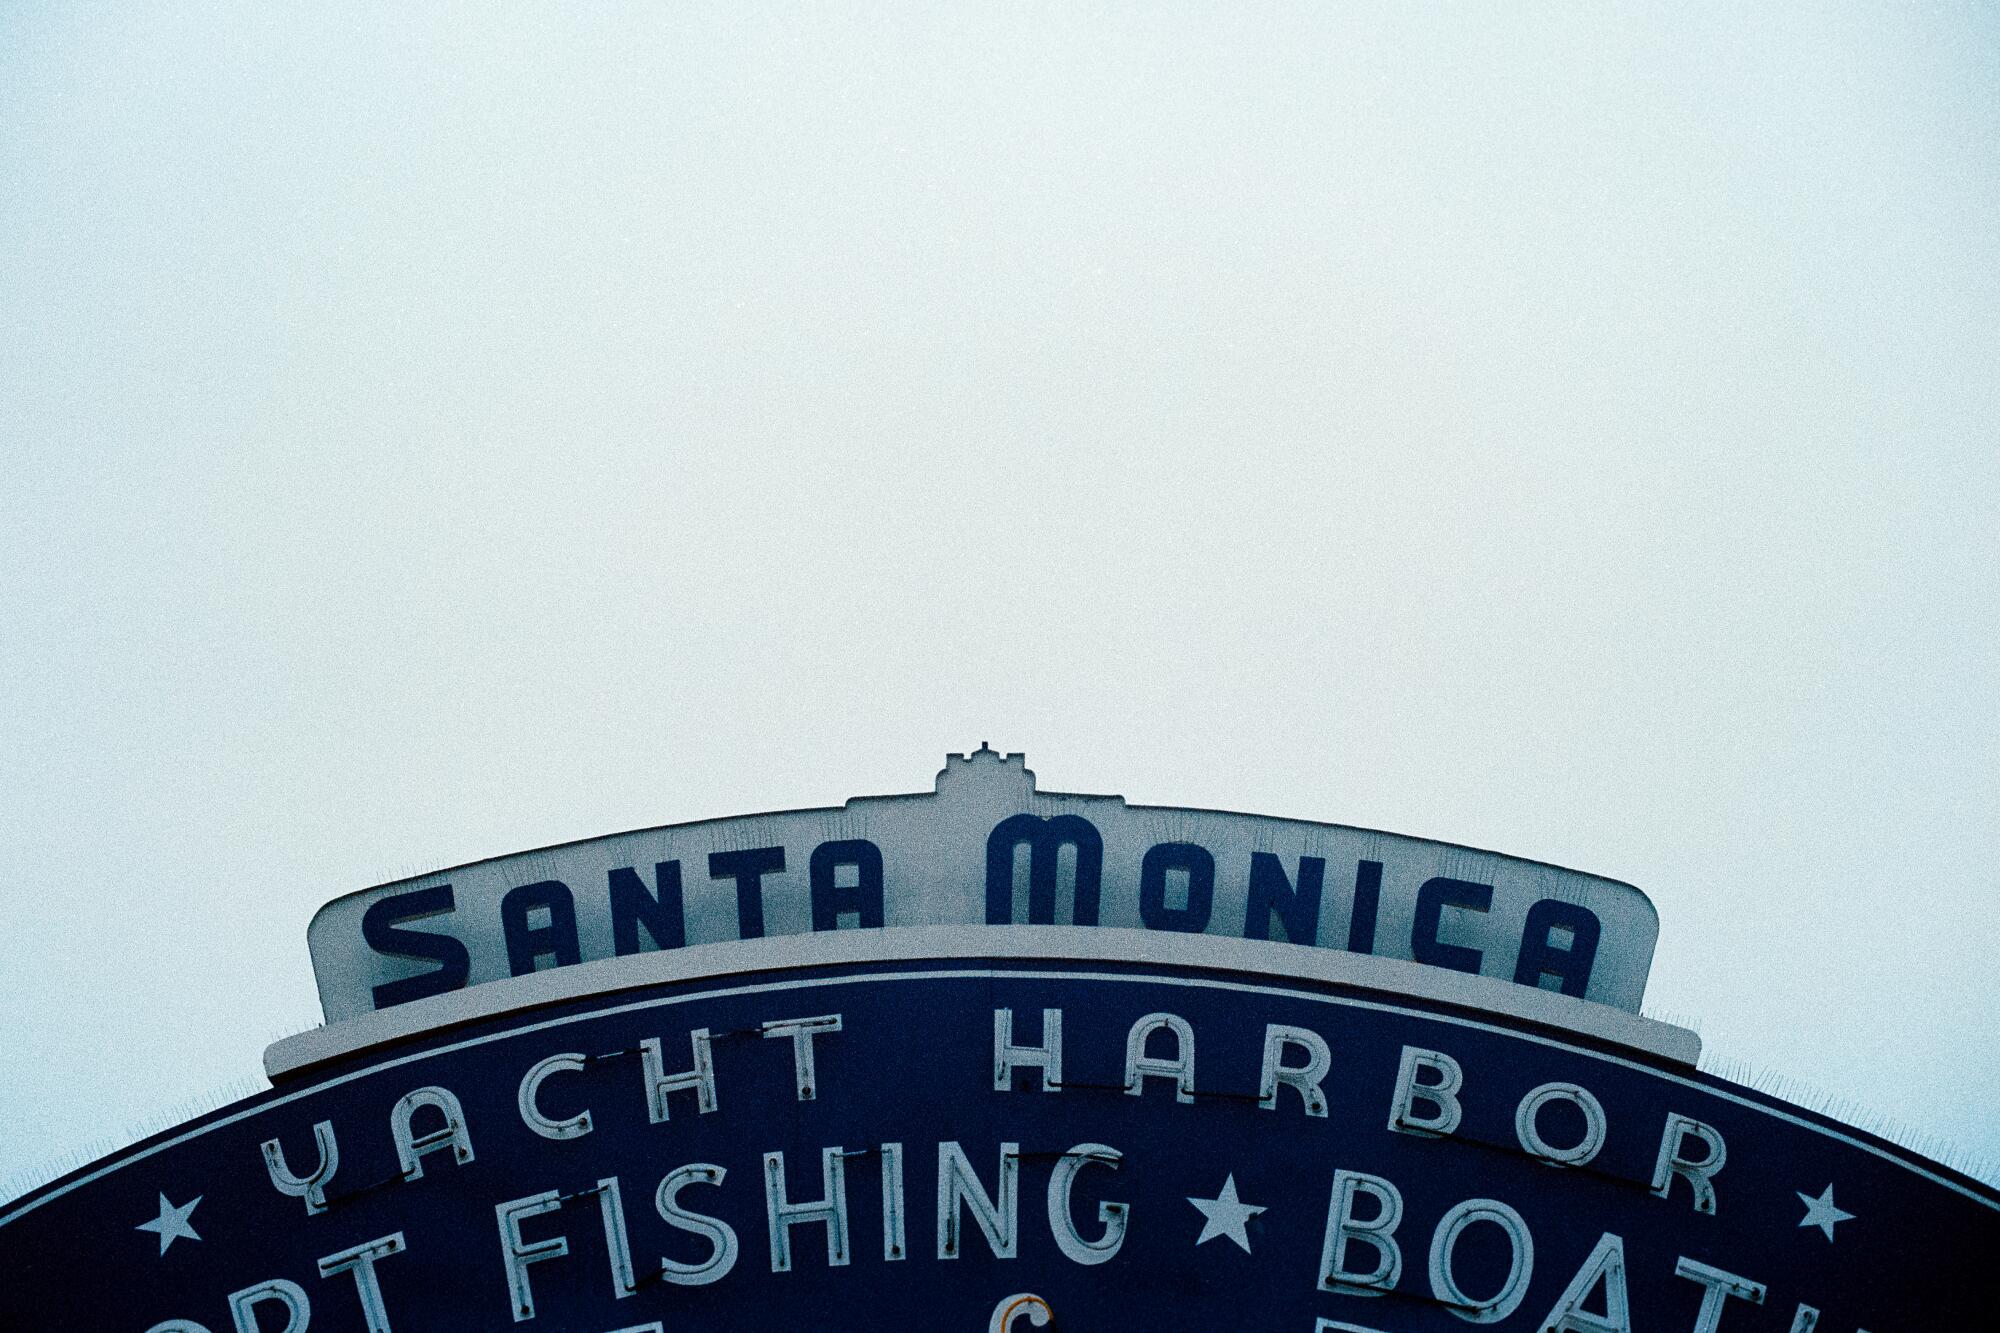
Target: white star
(1226, 1215)
(1820, 1212)
(172, 1223)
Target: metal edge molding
(295, 1055)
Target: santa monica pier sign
(985, 848)
(1156, 1109)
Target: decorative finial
(985, 764)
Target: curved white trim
(1908, 1161)
(1092, 944)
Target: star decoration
(1226, 1215)
(1820, 1212)
(172, 1223)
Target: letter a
(1606, 1264)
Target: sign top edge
(1110, 798)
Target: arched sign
(1085, 1130)
(986, 848)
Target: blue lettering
(660, 911)
(830, 899)
(526, 944)
(1272, 894)
(1436, 895)
(381, 929)
(1045, 839)
(748, 868)
(1367, 902)
(1539, 955)
(1199, 867)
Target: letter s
(380, 928)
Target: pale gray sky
(433, 431)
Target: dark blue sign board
(985, 1144)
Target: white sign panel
(986, 848)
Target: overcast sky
(431, 432)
